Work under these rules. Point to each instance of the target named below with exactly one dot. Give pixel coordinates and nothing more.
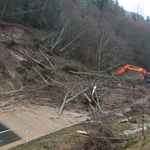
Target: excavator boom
(134, 68)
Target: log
(32, 58)
(41, 76)
(21, 89)
(47, 59)
(92, 108)
(56, 81)
(88, 98)
(93, 90)
(21, 98)
(77, 94)
(82, 132)
(64, 101)
(97, 104)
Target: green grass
(22, 72)
(64, 139)
(6, 85)
(10, 83)
(132, 142)
(50, 53)
(25, 39)
(27, 65)
(26, 78)
(31, 45)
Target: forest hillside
(96, 32)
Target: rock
(132, 120)
(127, 110)
(119, 115)
(123, 120)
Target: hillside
(97, 33)
(35, 82)
(57, 64)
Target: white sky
(140, 6)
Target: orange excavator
(146, 75)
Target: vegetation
(84, 28)
(27, 65)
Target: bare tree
(139, 12)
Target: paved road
(7, 137)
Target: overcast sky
(140, 6)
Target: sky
(140, 6)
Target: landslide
(29, 69)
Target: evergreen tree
(101, 4)
(116, 3)
(134, 17)
(119, 10)
(148, 20)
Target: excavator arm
(134, 68)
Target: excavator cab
(147, 77)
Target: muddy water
(7, 136)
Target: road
(8, 136)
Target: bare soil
(39, 102)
